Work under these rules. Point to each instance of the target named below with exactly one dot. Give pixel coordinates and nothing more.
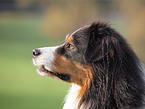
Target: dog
(104, 71)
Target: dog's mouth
(44, 71)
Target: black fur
(118, 75)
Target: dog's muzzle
(44, 57)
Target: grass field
(20, 85)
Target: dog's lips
(43, 70)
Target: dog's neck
(72, 101)
(95, 98)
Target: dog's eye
(69, 46)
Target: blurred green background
(28, 24)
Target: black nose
(36, 52)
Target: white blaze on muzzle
(45, 57)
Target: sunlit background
(28, 24)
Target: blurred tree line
(63, 16)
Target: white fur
(45, 58)
(71, 100)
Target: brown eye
(69, 46)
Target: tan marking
(66, 37)
(70, 39)
(81, 75)
(86, 84)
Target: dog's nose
(36, 52)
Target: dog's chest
(71, 100)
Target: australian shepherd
(104, 71)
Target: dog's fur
(104, 71)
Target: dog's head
(72, 60)
(98, 59)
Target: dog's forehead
(70, 37)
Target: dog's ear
(98, 42)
